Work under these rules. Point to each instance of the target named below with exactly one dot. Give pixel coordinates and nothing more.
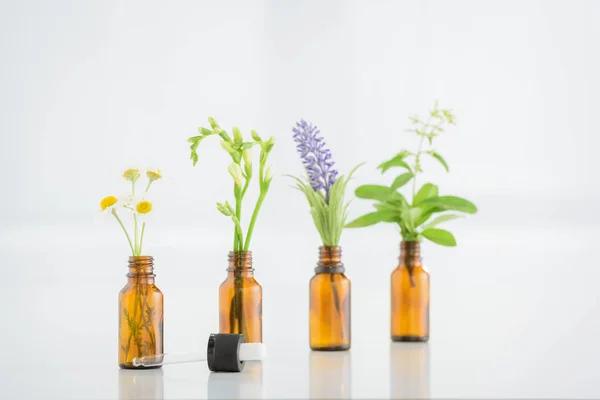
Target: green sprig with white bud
(414, 218)
(241, 171)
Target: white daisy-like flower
(107, 205)
(141, 206)
(127, 202)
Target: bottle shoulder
(418, 270)
(249, 281)
(149, 289)
(322, 277)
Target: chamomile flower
(108, 203)
(144, 210)
(143, 207)
(133, 207)
(154, 175)
(132, 174)
(128, 202)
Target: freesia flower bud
(247, 154)
(236, 173)
(228, 148)
(237, 135)
(269, 174)
(224, 209)
(212, 122)
(270, 143)
(255, 136)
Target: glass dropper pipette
(225, 352)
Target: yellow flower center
(144, 207)
(108, 201)
(131, 175)
(154, 175)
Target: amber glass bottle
(330, 303)
(240, 299)
(410, 296)
(140, 313)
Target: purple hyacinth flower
(315, 157)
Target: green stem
(261, 197)
(146, 322)
(246, 186)
(142, 238)
(336, 301)
(239, 234)
(148, 187)
(137, 329)
(239, 290)
(135, 229)
(238, 211)
(124, 230)
(417, 159)
(238, 215)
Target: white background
(89, 88)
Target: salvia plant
(415, 217)
(323, 188)
(135, 204)
(241, 170)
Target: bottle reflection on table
(247, 384)
(141, 384)
(330, 375)
(409, 371)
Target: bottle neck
(330, 260)
(240, 263)
(410, 254)
(141, 269)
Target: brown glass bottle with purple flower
(330, 295)
(330, 303)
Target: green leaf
(246, 145)
(194, 146)
(427, 191)
(438, 157)
(423, 217)
(397, 199)
(372, 219)
(194, 139)
(396, 161)
(452, 203)
(194, 157)
(373, 192)
(441, 219)
(439, 236)
(402, 180)
(412, 215)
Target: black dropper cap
(222, 353)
